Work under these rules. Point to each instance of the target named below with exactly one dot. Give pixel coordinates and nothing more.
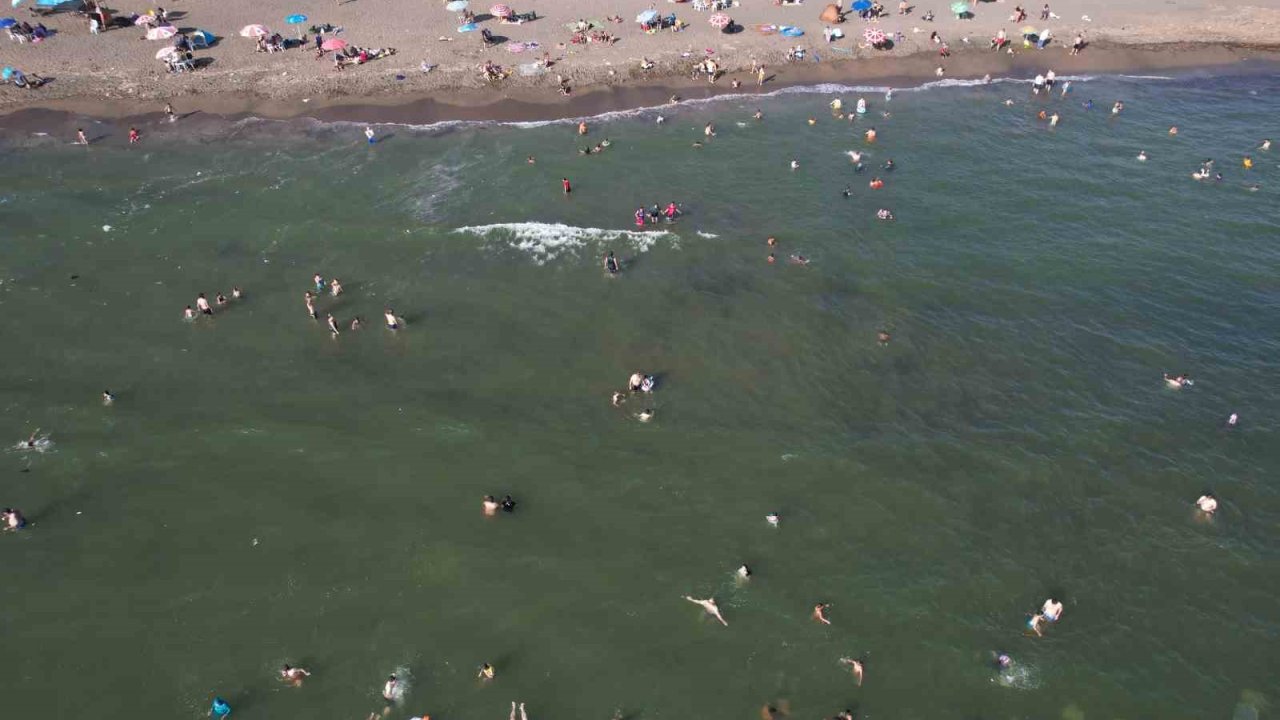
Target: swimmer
(854, 156)
(1034, 622)
(30, 444)
(611, 264)
(798, 260)
(888, 165)
(697, 144)
(1142, 156)
(13, 520)
(236, 294)
(847, 192)
(820, 613)
(335, 287)
(508, 504)
(318, 281)
(1008, 102)
(310, 301)
(1207, 504)
(618, 398)
(333, 325)
(661, 119)
(489, 505)
(647, 384)
(743, 572)
(531, 160)
(884, 214)
(773, 519)
(1003, 661)
(392, 321)
(582, 128)
(605, 143)
(1231, 421)
(355, 323)
(855, 667)
(188, 313)
(876, 183)
(709, 130)
(870, 135)
(1053, 120)
(1051, 610)
(795, 165)
(757, 115)
(486, 672)
(1042, 115)
(1115, 109)
(883, 337)
(293, 675)
(635, 381)
(1177, 381)
(1173, 130)
(710, 606)
(220, 709)
(1087, 104)
(1066, 87)
(645, 415)
(202, 304)
(771, 241)
(771, 259)
(813, 121)
(107, 397)
(390, 689)
(1247, 162)
(1266, 145)
(220, 299)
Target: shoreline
(536, 104)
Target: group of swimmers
(656, 214)
(204, 308)
(639, 382)
(333, 288)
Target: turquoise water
(262, 493)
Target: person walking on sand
(760, 76)
(856, 667)
(710, 606)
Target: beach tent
(830, 14)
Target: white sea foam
(547, 241)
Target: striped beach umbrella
(164, 32)
(500, 11)
(254, 31)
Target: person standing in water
(1051, 610)
(335, 287)
(13, 520)
(220, 709)
(370, 135)
(487, 672)
(820, 613)
(1207, 504)
(310, 301)
(293, 675)
(611, 264)
(391, 689)
(710, 606)
(202, 304)
(390, 316)
(107, 397)
(333, 325)
(564, 183)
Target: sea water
(263, 493)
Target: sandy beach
(116, 74)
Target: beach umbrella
(165, 52)
(860, 5)
(203, 35)
(646, 16)
(875, 36)
(253, 31)
(52, 3)
(1028, 30)
(500, 11)
(164, 32)
(296, 19)
(145, 20)
(830, 14)
(457, 6)
(7, 23)
(720, 20)
(959, 8)
(334, 44)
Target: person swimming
(220, 299)
(1177, 381)
(618, 398)
(219, 709)
(310, 301)
(710, 606)
(1034, 623)
(611, 263)
(846, 192)
(1266, 145)
(773, 519)
(489, 505)
(798, 260)
(856, 667)
(391, 689)
(888, 165)
(870, 135)
(1142, 156)
(107, 397)
(820, 613)
(508, 504)
(355, 323)
(393, 323)
(876, 183)
(13, 520)
(861, 107)
(647, 384)
(335, 287)
(1003, 661)
(189, 313)
(1051, 610)
(883, 337)
(795, 165)
(318, 281)
(202, 304)
(743, 571)
(884, 214)
(293, 675)
(1207, 503)
(1232, 420)
(486, 673)
(236, 293)
(645, 415)
(333, 325)
(854, 156)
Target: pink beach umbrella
(164, 32)
(145, 20)
(253, 31)
(334, 44)
(500, 11)
(720, 20)
(875, 36)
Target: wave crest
(547, 241)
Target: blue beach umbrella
(647, 16)
(861, 5)
(7, 23)
(52, 3)
(296, 19)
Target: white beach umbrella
(164, 32)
